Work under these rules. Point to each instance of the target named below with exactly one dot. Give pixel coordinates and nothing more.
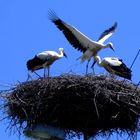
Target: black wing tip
(115, 24)
(52, 15)
(109, 30)
(113, 28)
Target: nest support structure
(89, 104)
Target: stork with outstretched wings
(80, 41)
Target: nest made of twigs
(89, 104)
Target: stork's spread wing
(107, 33)
(77, 39)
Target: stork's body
(44, 60)
(81, 42)
(114, 66)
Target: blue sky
(26, 30)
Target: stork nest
(90, 104)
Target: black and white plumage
(114, 66)
(44, 60)
(107, 33)
(81, 42)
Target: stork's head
(110, 45)
(61, 50)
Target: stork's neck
(61, 54)
(98, 60)
(107, 46)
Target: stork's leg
(94, 62)
(44, 72)
(48, 71)
(37, 74)
(87, 67)
(29, 76)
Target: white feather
(47, 54)
(101, 41)
(112, 61)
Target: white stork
(44, 60)
(81, 42)
(114, 66)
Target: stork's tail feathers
(127, 76)
(31, 63)
(83, 58)
(126, 73)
